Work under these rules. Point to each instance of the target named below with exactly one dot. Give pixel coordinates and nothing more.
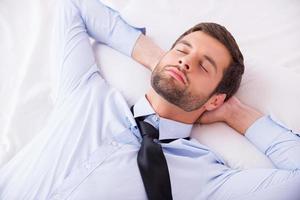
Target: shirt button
(86, 165)
(114, 143)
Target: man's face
(188, 74)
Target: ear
(215, 101)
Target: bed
(267, 32)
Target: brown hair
(232, 75)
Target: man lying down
(95, 147)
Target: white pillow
(129, 77)
(265, 86)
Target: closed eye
(181, 51)
(203, 68)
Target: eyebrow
(211, 60)
(185, 43)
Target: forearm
(274, 140)
(106, 25)
(241, 117)
(277, 142)
(147, 52)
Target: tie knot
(148, 129)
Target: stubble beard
(167, 88)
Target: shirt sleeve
(253, 184)
(282, 146)
(106, 25)
(76, 21)
(276, 141)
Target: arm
(147, 52)
(275, 141)
(76, 21)
(106, 26)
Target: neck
(168, 110)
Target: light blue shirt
(88, 149)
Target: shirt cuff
(264, 132)
(139, 31)
(124, 37)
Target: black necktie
(152, 163)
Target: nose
(184, 64)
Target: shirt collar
(168, 129)
(143, 108)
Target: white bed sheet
(267, 31)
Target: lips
(177, 74)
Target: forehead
(204, 44)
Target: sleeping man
(95, 146)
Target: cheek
(203, 86)
(168, 59)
